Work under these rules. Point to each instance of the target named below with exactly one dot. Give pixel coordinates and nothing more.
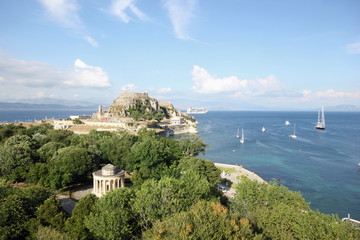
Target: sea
(321, 164)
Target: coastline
(234, 173)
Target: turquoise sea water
(323, 165)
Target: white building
(107, 179)
(176, 120)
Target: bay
(322, 165)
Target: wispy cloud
(122, 9)
(206, 83)
(65, 13)
(353, 48)
(42, 75)
(91, 41)
(181, 13)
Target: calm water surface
(323, 165)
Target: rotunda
(108, 178)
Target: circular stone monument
(107, 179)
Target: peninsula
(130, 112)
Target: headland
(131, 112)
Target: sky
(222, 55)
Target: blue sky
(229, 54)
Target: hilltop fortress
(128, 103)
(131, 112)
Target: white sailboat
(293, 135)
(287, 123)
(238, 134)
(263, 129)
(242, 140)
(321, 120)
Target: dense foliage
(173, 195)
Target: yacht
(242, 140)
(263, 129)
(238, 134)
(293, 135)
(287, 123)
(321, 120)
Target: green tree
(113, 217)
(17, 206)
(76, 163)
(40, 129)
(252, 195)
(74, 225)
(77, 121)
(23, 141)
(192, 146)
(47, 151)
(17, 151)
(48, 233)
(117, 148)
(205, 220)
(9, 130)
(12, 157)
(61, 136)
(13, 217)
(51, 213)
(203, 167)
(150, 157)
(156, 200)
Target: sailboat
(263, 129)
(321, 120)
(238, 134)
(242, 140)
(293, 135)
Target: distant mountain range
(18, 105)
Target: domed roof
(109, 169)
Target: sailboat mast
(323, 115)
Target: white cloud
(88, 76)
(65, 13)
(119, 9)
(206, 83)
(129, 87)
(91, 41)
(38, 74)
(353, 48)
(164, 90)
(180, 13)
